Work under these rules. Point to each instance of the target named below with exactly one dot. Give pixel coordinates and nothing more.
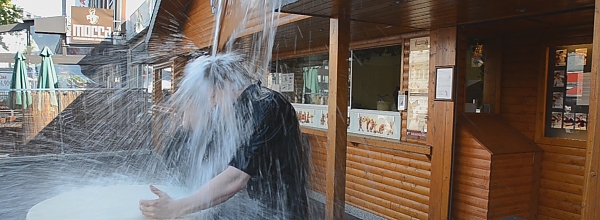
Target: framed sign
(444, 77)
(91, 25)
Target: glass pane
(568, 93)
(39, 41)
(376, 78)
(71, 76)
(166, 81)
(302, 80)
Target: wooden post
(157, 86)
(591, 192)
(178, 67)
(441, 125)
(339, 52)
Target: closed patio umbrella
(19, 99)
(47, 76)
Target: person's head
(212, 82)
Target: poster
(375, 124)
(323, 116)
(5, 79)
(417, 113)
(569, 121)
(477, 56)
(559, 78)
(580, 121)
(557, 100)
(581, 53)
(575, 62)
(287, 82)
(305, 116)
(561, 57)
(585, 84)
(418, 66)
(557, 119)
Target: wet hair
(222, 69)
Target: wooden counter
(496, 170)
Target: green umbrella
(19, 98)
(47, 78)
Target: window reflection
(302, 80)
(39, 41)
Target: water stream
(108, 137)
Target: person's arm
(216, 191)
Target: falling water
(110, 137)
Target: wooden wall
(511, 186)
(471, 180)
(562, 163)
(521, 72)
(521, 103)
(561, 190)
(393, 184)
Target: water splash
(109, 136)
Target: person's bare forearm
(216, 191)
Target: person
(271, 166)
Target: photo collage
(565, 78)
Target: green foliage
(9, 13)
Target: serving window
(378, 77)
(568, 92)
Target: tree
(9, 13)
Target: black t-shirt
(274, 157)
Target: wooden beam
(339, 52)
(441, 120)
(591, 192)
(179, 64)
(157, 86)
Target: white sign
(5, 79)
(443, 83)
(287, 82)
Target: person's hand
(162, 208)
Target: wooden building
(498, 101)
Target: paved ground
(25, 182)
(318, 211)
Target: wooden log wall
(511, 186)
(521, 103)
(491, 181)
(471, 180)
(521, 73)
(562, 163)
(393, 184)
(562, 177)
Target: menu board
(418, 70)
(568, 92)
(418, 87)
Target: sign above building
(91, 25)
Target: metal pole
(217, 26)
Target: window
(568, 92)
(302, 80)
(475, 69)
(376, 78)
